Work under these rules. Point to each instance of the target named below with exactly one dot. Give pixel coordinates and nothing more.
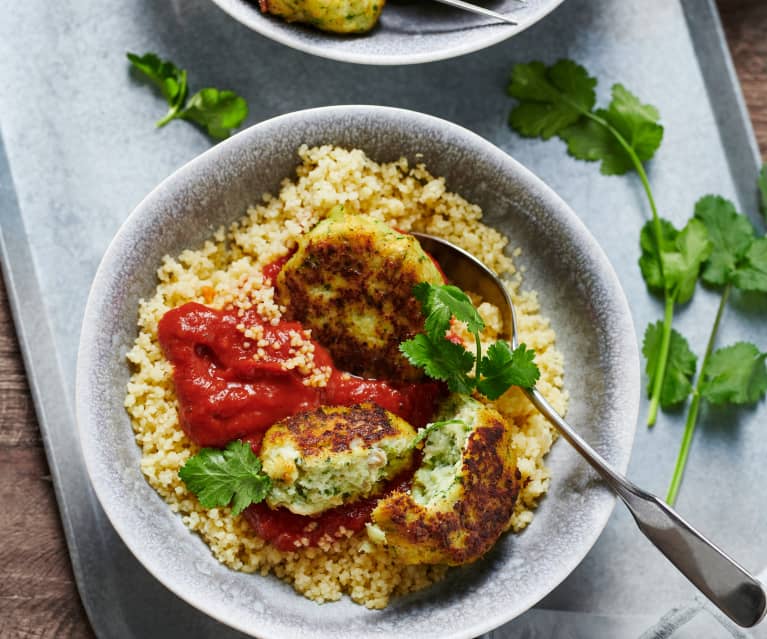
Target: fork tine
(473, 8)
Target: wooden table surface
(38, 597)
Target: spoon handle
(728, 585)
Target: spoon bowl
(729, 586)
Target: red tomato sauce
(287, 531)
(224, 393)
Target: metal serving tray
(80, 151)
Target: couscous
(227, 274)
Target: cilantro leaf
(762, 181)
(730, 233)
(735, 374)
(593, 142)
(441, 302)
(677, 380)
(218, 112)
(752, 272)
(650, 261)
(219, 477)
(637, 123)
(681, 267)
(167, 77)
(441, 359)
(502, 368)
(550, 98)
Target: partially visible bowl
(578, 290)
(409, 31)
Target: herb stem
(479, 355)
(172, 114)
(692, 414)
(665, 343)
(668, 296)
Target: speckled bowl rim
(252, 19)
(140, 219)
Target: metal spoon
(727, 584)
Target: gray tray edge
(44, 375)
(35, 337)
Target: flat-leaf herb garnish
(494, 373)
(232, 475)
(718, 245)
(217, 112)
(560, 100)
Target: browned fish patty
(351, 283)
(333, 455)
(461, 524)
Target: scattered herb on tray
(232, 475)
(733, 374)
(494, 372)
(717, 245)
(560, 100)
(218, 112)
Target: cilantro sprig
(493, 372)
(718, 245)
(560, 100)
(220, 477)
(218, 112)
(733, 374)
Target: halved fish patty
(462, 496)
(351, 283)
(333, 455)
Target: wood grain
(38, 597)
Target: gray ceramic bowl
(578, 290)
(409, 31)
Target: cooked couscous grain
(226, 272)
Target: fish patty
(351, 282)
(334, 455)
(337, 16)
(462, 496)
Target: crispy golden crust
(333, 429)
(351, 282)
(459, 532)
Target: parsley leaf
(735, 374)
(681, 267)
(550, 98)
(167, 77)
(218, 112)
(502, 368)
(445, 360)
(676, 265)
(677, 380)
(752, 273)
(730, 233)
(441, 359)
(440, 303)
(219, 477)
(593, 140)
(650, 261)
(762, 182)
